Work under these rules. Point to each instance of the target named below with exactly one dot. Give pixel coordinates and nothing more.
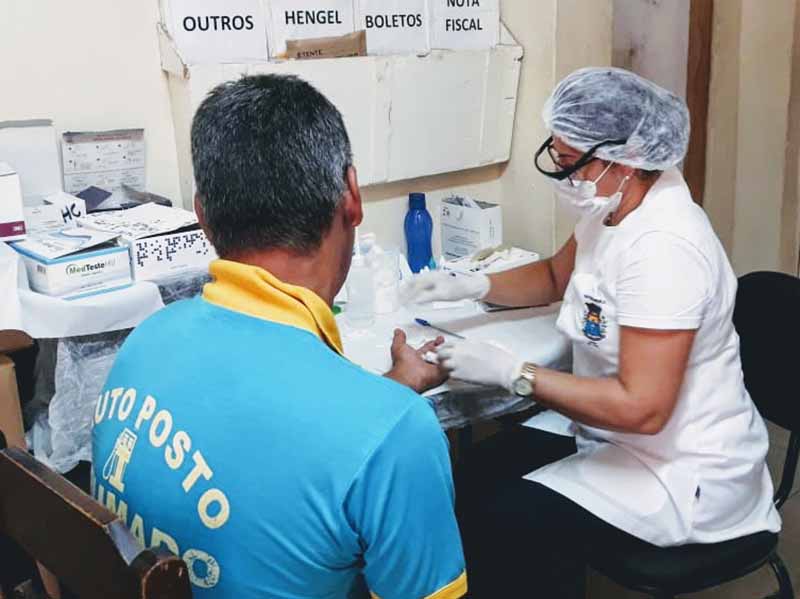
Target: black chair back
(769, 335)
(769, 330)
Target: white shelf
(407, 116)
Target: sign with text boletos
(213, 32)
(395, 26)
(465, 24)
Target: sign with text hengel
(307, 19)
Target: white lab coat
(703, 478)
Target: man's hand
(410, 367)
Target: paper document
(51, 245)
(143, 221)
(106, 159)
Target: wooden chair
(86, 546)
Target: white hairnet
(599, 104)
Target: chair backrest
(83, 544)
(767, 318)
(769, 334)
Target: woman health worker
(668, 447)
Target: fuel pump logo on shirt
(594, 323)
(117, 462)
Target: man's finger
(398, 341)
(430, 345)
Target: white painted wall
(764, 86)
(651, 38)
(89, 65)
(94, 64)
(747, 193)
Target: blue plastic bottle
(419, 230)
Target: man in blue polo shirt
(231, 429)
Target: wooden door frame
(698, 81)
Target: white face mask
(581, 197)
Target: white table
(90, 331)
(530, 334)
(44, 317)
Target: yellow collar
(256, 292)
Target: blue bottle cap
(416, 201)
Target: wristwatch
(525, 384)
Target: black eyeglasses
(566, 172)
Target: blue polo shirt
(272, 465)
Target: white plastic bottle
(360, 310)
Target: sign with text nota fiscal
(465, 24)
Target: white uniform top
(703, 478)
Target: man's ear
(201, 215)
(353, 209)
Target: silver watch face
(522, 386)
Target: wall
(753, 144)
(95, 65)
(651, 38)
(558, 36)
(89, 65)
(751, 195)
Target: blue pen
(425, 323)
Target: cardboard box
(395, 26)
(407, 116)
(469, 226)
(75, 263)
(12, 214)
(214, 32)
(465, 24)
(163, 241)
(307, 19)
(31, 148)
(10, 409)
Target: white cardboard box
(163, 241)
(75, 263)
(12, 214)
(307, 19)
(469, 226)
(31, 148)
(407, 116)
(465, 24)
(212, 32)
(395, 26)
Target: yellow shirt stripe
(454, 590)
(254, 291)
